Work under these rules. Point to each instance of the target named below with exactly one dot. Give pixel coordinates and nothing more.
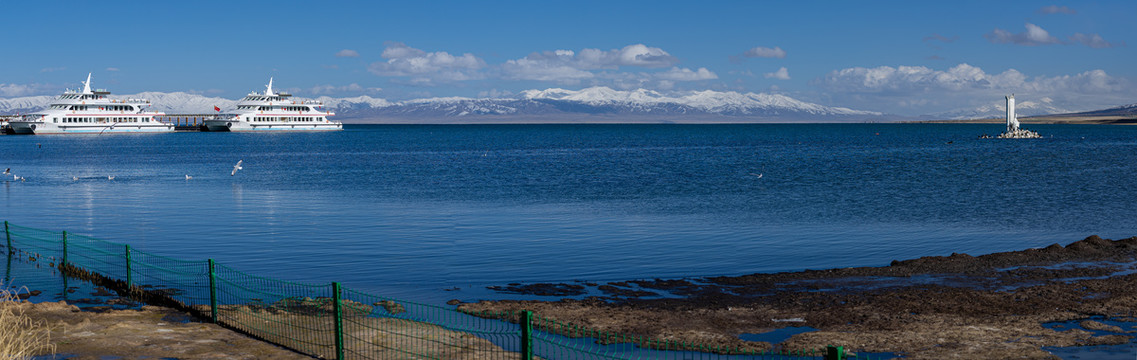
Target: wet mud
(993, 306)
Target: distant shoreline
(1088, 120)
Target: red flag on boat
(215, 108)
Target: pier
(187, 122)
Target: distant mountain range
(596, 104)
(1124, 111)
(999, 110)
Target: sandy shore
(148, 332)
(988, 307)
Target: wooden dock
(186, 122)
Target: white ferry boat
(91, 112)
(275, 112)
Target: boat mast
(268, 88)
(87, 84)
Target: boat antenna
(87, 84)
(268, 88)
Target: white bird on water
(188, 177)
(74, 178)
(236, 167)
(110, 177)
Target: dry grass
(20, 336)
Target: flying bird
(236, 167)
(758, 175)
(188, 177)
(8, 171)
(110, 177)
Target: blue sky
(902, 57)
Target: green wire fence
(332, 321)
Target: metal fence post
(527, 335)
(834, 353)
(64, 247)
(212, 292)
(8, 235)
(129, 275)
(339, 319)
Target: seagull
(74, 178)
(110, 177)
(8, 171)
(188, 177)
(758, 175)
(14, 177)
(236, 167)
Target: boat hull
(241, 126)
(43, 128)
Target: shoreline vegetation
(1001, 305)
(21, 334)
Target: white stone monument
(1013, 130)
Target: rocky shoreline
(992, 306)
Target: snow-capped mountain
(998, 109)
(530, 105)
(182, 103)
(1123, 110)
(24, 104)
(726, 103)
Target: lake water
(410, 211)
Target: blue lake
(411, 211)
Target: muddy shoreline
(992, 306)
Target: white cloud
(962, 77)
(1093, 40)
(53, 69)
(573, 67)
(642, 55)
(781, 74)
(112, 69)
(684, 74)
(765, 52)
(398, 50)
(1055, 9)
(427, 68)
(347, 53)
(560, 66)
(350, 88)
(495, 93)
(17, 90)
(1034, 35)
(895, 88)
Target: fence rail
(333, 321)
